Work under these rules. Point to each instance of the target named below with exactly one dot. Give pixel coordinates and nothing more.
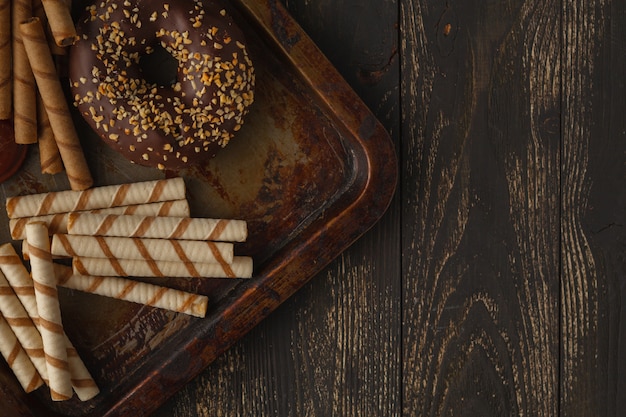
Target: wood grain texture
(481, 192)
(495, 284)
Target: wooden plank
(481, 189)
(593, 249)
(334, 347)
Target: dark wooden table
(495, 283)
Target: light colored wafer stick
(186, 228)
(23, 327)
(134, 291)
(18, 277)
(6, 101)
(24, 97)
(96, 198)
(49, 156)
(57, 223)
(18, 360)
(112, 248)
(50, 323)
(54, 101)
(61, 23)
(240, 268)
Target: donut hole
(159, 67)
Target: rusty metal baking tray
(311, 171)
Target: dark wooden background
(496, 282)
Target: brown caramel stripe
(144, 252)
(83, 199)
(14, 354)
(56, 362)
(19, 321)
(10, 260)
(157, 296)
(95, 284)
(35, 352)
(109, 255)
(6, 291)
(143, 226)
(46, 204)
(27, 291)
(58, 396)
(165, 209)
(51, 326)
(225, 265)
(189, 302)
(37, 252)
(127, 289)
(157, 192)
(83, 383)
(120, 195)
(218, 230)
(181, 227)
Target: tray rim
(372, 192)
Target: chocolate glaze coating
(171, 126)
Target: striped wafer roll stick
(49, 156)
(61, 23)
(96, 198)
(23, 327)
(57, 223)
(50, 323)
(38, 11)
(61, 122)
(186, 228)
(241, 267)
(18, 360)
(24, 88)
(134, 291)
(6, 100)
(113, 248)
(18, 277)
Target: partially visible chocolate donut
(164, 126)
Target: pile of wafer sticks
(31, 33)
(110, 233)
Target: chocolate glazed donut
(163, 126)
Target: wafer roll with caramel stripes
(20, 281)
(57, 223)
(39, 11)
(49, 156)
(24, 88)
(134, 291)
(18, 360)
(6, 95)
(95, 198)
(186, 228)
(50, 323)
(111, 247)
(61, 122)
(61, 23)
(23, 327)
(241, 267)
